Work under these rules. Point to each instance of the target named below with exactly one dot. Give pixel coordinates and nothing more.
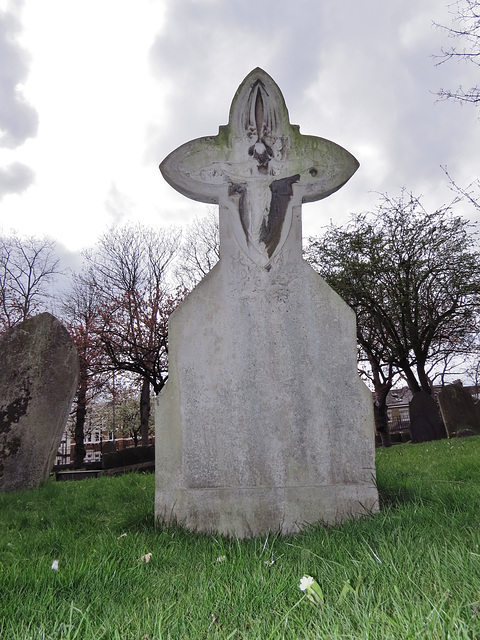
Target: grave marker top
(258, 167)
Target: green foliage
(411, 276)
(410, 571)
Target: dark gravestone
(458, 409)
(133, 455)
(425, 423)
(109, 447)
(38, 379)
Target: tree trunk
(422, 376)
(382, 385)
(145, 411)
(410, 376)
(380, 413)
(80, 422)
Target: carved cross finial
(258, 167)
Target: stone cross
(258, 168)
(264, 424)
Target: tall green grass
(410, 571)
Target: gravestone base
(253, 512)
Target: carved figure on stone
(258, 168)
(38, 380)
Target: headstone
(425, 422)
(38, 378)
(264, 423)
(458, 409)
(109, 447)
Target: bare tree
(465, 30)
(81, 310)
(129, 272)
(200, 250)
(127, 413)
(380, 370)
(470, 193)
(27, 267)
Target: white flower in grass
(54, 565)
(124, 535)
(312, 590)
(146, 558)
(306, 582)
(221, 558)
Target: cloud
(360, 74)
(15, 178)
(18, 119)
(118, 205)
(340, 74)
(206, 48)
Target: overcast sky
(95, 93)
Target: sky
(95, 93)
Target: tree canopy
(118, 311)
(27, 268)
(413, 279)
(200, 250)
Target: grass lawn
(411, 571)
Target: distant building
(398, 412)
(95, 441)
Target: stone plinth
(263, 424)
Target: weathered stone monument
(459, 412)
(425, 422)
(38, 378)
(263, 423)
